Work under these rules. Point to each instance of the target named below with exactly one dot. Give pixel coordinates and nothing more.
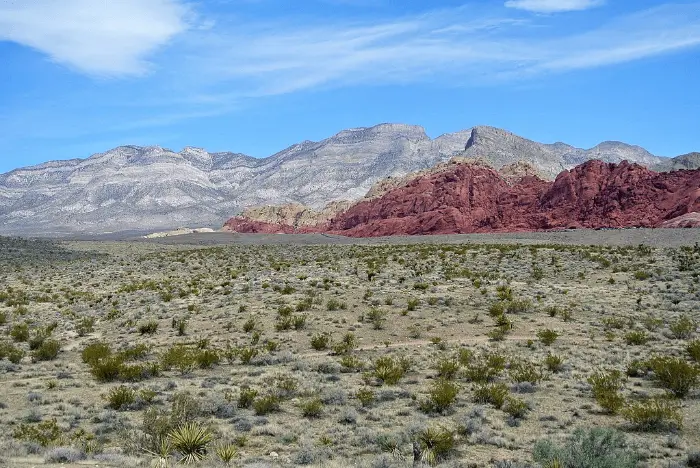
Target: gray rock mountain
(151, 188)
(684, 161)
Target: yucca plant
(191, 441)
(435, 444)
(226, 452)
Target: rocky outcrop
(469, 197)
(689, 220)
(154, 188)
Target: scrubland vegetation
(135, 354)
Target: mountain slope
(149, 188)
(469, 197)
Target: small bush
(312, 408)
(365, 396)
(637, 337)
(85, 326)
(515, 407)
(377, 317)
(226, 452)
(320, 341)
(121, 397)
(435, 445)
(48, 351)
(494, 394)
(654, 414)
(64, 455)
(447, 368)
(346, 345)
(441, 396)
(148, 328)
(523, 371)
(390, 370)
(20, 332)
(95, 352)
(106, 369)
(683, 328)
(554, 363)
(675, 374)
(246, 397)
(606, 387)
(587, 448)
(191, 441)
(485, 369)
(693, 349)
(43, 433)
(547, 336)
(266, 404)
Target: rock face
(690, 220)
(473, 197)
(684, 161)
(153, 188)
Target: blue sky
(255, 76)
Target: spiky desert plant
(191, 441)
(226, 452)
(435, 444)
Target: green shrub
(500, 332)
(485, 368)
(346, 345)
(547, 336)
(48, 351)
(266, 404)
(365, 396)
(435, 445)
(377, 317)
(312, 408)
(606, 387)
(515, 407)
(148, 328)
(38, 338)
(95, 352)
(442, 394)
(675, 374)
(191, 441)
(390, 370)
(250, 325)
(554, 363)
(85, 326)
(412, 304)
(637, 337)
(693, 349)
(180, 357)
(226, 452)
(654, 414)
(43, 433)
(523, 371)
(11, 352)
(20, 332)
(683, 328)
(106, 369)
(246, 397)
(447, 368)
(320, 341)
(207, 358)
(120, 397)
(247, 354)
(494, 393)
(587, 448)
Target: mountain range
(154, 188)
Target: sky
(79, 77)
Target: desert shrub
(178, 356)
(250, 325)
(43, 433)
(64, 455)
(266, 404)
(106, 369)
(48, 351)
(148, 328)
(246, 397)
(246, 354)
(377, 317)
(11, 352)
(493, 393)
(20, 332)
(554, 363)
(37, 339)
(435, 445)
(312, 408)
(226, 452)
(693, 349)
(485, 368)
(346, 344)
(390, 370)
(524, 371)
(447, 368)
(683, 328)
(465, 356)
(93, 353)
(515, 407)
(121, 397)
(85, 326)
(614, 323)
(412, 304)
(547, 336)
(133, 352)
(518, 306)
(675, 374)
(207, 358)
(365, 396)
(606, 387)
(636, 337)
(587, 448)
(500, 332)
(320, 341)
(442, 394)
(654, 414)
(191, 441)
(351, 363)
(642, 275)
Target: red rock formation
(472, 197)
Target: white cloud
(553, 6)
(100, 37)
(436, 48)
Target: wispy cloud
(438, 47)
(553, 6)
(100, 37)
